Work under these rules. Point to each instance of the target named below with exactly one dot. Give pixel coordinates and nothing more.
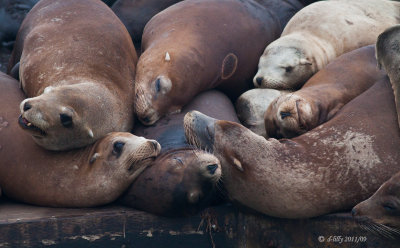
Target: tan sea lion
(197, 45)
(182, 180)
(323, 95)
(388, 56)
(381, 212)
(319, 33)
(251, 106)
(134, 14)
(91, 176)
(328, 169)
(77, 62)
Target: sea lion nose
(259, 80)
(145, 120)
(155, 144)
(212, 168)
(354, 212)
(27, 106)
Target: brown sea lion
(323, 95)
(381, 212)
(90, 176)
(328, 169)
(134, 14)
(388, 56)
(183, 179)
(251, 106)
(197, 45)
(77, 62)
(319, 33)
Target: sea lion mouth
(27, 125)
(144, 161)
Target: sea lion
(319, 33)
(91, 176)
(388, 56)
(381, 212)
(77, 63)
(323, 95)
(136, 13)
(196, 45)
(251, 106)
(328, 169)
(182, 180)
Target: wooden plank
(223, 226)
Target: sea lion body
(323, 95)
(251, 107)
(319, 33)
(182, 180)
(388, 56)
(382, 209)
(328, 169)
(91, 176)
(136, 13)
(77, 65)
(197, 45)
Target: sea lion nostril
(155, 144)
(259, 80)
(285, 114)
(212, 168)
(145, 119)
(27, 106)
(354, 212)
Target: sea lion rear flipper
(229, 65)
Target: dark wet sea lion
(328, 169)
(77, 65)
(182, 180)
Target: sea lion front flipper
(15, 71)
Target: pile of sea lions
(85, 121)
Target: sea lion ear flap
(90, 132)
(193, 196)
(94, 157)
(229, 66)
(305, 62)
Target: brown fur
(91, 176)
(181, 180)
(328, 169)
(388, 56)
(210, 43)
(381, 212)
(323, 95)
(83, 51)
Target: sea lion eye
(389, 206)
(288, 68)
(117, 148)
(158, 85)
(66, 120)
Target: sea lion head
(178, 183)
(289, 116)
(70, 116)
(381, 212)
(283, 67)
(114, 162)
(387, 51)
(156, 87)
(229, 142)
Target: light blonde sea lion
(329, 169)
(77, 65)
(323, 95)
(91, 176)
(251, 107)
(319, 33)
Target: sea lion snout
(200, 130)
